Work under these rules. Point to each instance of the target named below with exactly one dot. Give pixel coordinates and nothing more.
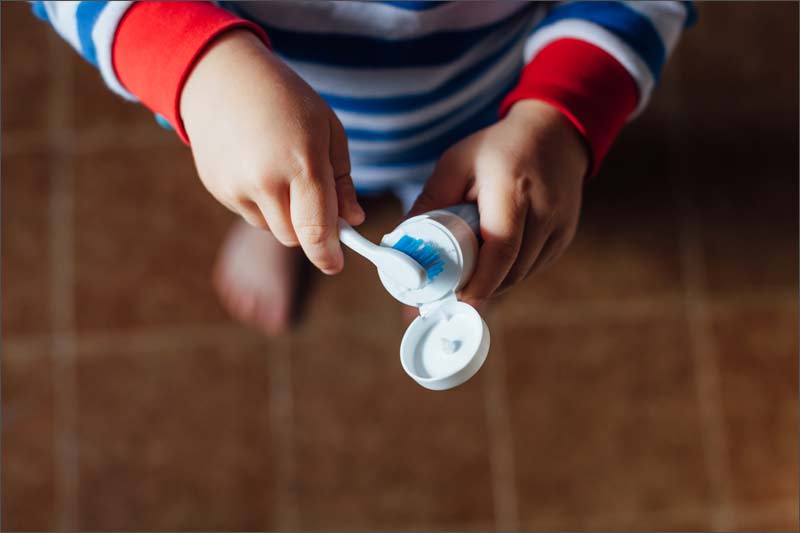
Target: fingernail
(334, 250)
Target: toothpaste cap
(446, 345)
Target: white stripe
(407, 193)
(103, 37)
(368, 176)
(62, 17)
(390, 82)
(388, 147)
(374, 19)
(667, 18)
(388, 122)
(602, 38)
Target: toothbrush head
(423, 253)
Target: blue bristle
(423, 253)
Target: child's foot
(408, 314)
(256, 278)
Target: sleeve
(597, 62)
(144, 50)
(90, 28)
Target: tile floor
(647, 381)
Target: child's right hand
(269, 148)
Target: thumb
(448, 183)
(347, 201)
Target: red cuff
(586, 84)
(157, 44)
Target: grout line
(146, 340)
(590, 311)
(784, 300)
(698, 309)
(89, 142)
(27, 347)
(152, 340)
(707, 385)
(282, 425)
(61, 287)
(500, 439)
(762, 514)
(24, 142)
(759, 516)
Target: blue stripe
(484, 117)
(399, 134)
(411, 5)
(406, 103)
(633, 28)
(163, 122)
(40, 11)
(87, 14)
(371, 52)
(691, 14)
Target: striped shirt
(407, 79)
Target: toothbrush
(401, 267)
(423, 253)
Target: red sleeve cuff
(157, 44)
(587, 85)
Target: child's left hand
(526, 173)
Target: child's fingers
(337, 145)
(313, 211)
(447, 185)
(349, 208)
(251, 214)
(533, 241)
(556, 245)
(502, 222)
(275, 209)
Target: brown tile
(26, 72)
(176, 439)
(734, 94)
(374, 449)
(146, 236)
(29, 490)
(98, 108)
(758, 376)
(747, 215)
(606, 429)
(25, 244)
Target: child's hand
(269, 148)
(526, 174)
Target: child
(291, 107)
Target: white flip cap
(446, 345)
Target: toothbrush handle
(402, 268)
(353, 240)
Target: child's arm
(591, 67)
(268, 147)
(265, 144)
